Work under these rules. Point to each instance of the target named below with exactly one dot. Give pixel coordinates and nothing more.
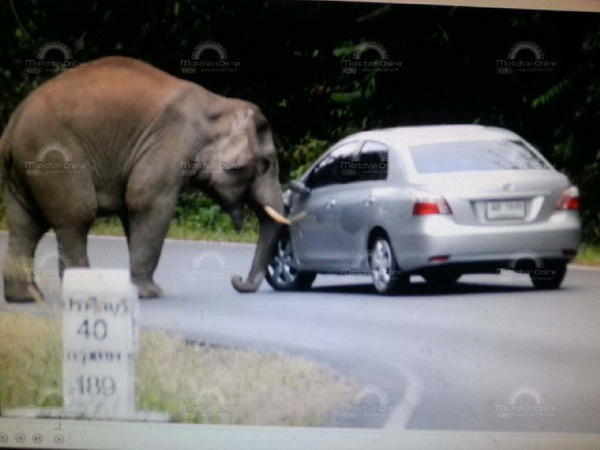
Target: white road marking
(413, 394)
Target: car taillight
(569, 199)
(426, 203)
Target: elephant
(117, 136)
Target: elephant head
(237, 166)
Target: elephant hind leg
(24, 235)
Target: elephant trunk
(267, 239)
(270, 219)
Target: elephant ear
(241, 120)
(243, 150)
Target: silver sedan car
(436, 201)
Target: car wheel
(387, 277)
(442, 278)
(282, 275)
(549, 277)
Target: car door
(356, 202)
(315, 235)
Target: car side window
(335, 168)
(373, 162)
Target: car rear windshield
(468, 156)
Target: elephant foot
(148, 289)
(22, 292)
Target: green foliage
(589, 254)
(575, 99)
(551, 94)
(196, 217)
(305, 153)
(197, 213)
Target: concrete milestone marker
(100, 342)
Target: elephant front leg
(124, 218)
(147, 232)
(72, 247)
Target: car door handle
(369, 201)
(330, 204)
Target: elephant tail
(5, 157)
(5, 150)
(4, 153)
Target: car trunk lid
(498, 197)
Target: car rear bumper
(428, 240)
(499, 267)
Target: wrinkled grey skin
(127, 138)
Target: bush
(304, 154)
(196, 212)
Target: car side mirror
(299, 187)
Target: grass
(589, 255)
(181, 230)
(196, 384)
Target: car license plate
(514, 209)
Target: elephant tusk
(275, 215)
(298, 216)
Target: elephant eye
(262, 165)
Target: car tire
(442, 279)
(281, 274)
(550, 277)
(387, 277)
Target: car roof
(429, 134)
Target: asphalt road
(489, 354)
